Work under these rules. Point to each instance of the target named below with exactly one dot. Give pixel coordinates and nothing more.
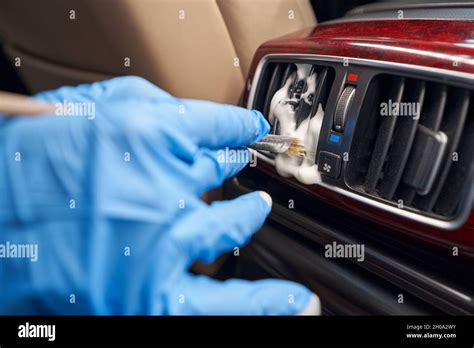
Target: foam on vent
(283, 116)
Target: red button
(352, 77)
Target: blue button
(334, 138)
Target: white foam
(305, 170)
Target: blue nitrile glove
(111, 199)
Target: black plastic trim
(389, 260)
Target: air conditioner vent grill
(413, 144)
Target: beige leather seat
(192, 48)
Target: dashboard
(385, 107)
(414, 171)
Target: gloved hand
(112, 201)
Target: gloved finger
(216, 125)
(200, 295)
(208, 232)
(119, 88)
(212, 167)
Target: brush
(281, 144)
(12, 104)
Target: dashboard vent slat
(273, 85)
(437, 94)
(323, 86)
(402, 139)
(383, 141)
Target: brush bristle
(297, 149)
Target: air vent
(413, 145)
(306, 98)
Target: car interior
(398, 190)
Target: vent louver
(413, 145)
(273, 79)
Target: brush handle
(12, 104)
